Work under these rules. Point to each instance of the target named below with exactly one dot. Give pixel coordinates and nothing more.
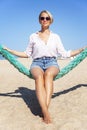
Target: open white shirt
(37, 48)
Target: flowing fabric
(11, 58)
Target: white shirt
(37, 48)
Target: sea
(1, 58)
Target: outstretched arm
(76, 52)
(17, 53)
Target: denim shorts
(44, 63)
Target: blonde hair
(49, 14)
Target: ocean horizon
(1, 57)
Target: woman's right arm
(16, 53)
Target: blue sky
(19, 18)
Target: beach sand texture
(19, 108)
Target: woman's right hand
(17, 53)
(5, 48)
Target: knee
(39, 77)
(48, 74)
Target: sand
(19, 108)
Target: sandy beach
(19, 108)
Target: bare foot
(47, 118)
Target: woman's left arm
(64, 53)
(76, 52)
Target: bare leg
(50, 73)
(38, 75)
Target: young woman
(44, 47)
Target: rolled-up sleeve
(29, 49)
(61, 50)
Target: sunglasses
(45, 18)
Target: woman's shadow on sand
(29, 97)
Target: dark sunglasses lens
(41, 18)
(47, 18)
